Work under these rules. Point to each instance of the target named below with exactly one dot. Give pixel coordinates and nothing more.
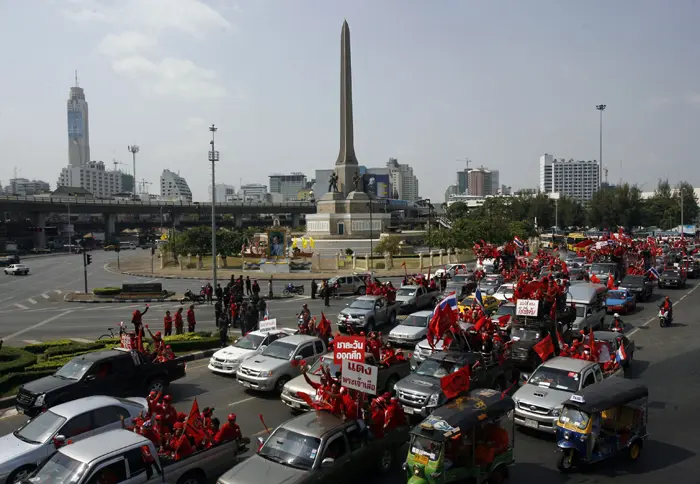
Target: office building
(451, 191)
(174, 187)
(463, 181)
(495, 182)
(404, 184)
(78, 127)
(223, 192)
(24, 187)
(93, 177)
(480, 182)
(573, 179)
(288, 186)
(253, 192)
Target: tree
(197, 240)
(390, 244)
(685, 197)
(457, 210)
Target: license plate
(217, 365)
(245, 383)
(533, 424)
(421, 459)
(296, 405)
(408, 410)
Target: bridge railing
(140, 203)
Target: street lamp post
(371, 236)
(133, 149)
(430, 249)
(213, 158)
(601, 108)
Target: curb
(122, 301)
(7, 403)
(318, 276)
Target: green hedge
(8, 382)
(42, 347)
(75, 347)
(107, 291)
(13, 359)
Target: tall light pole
(601, 108)
(371, 236)
(213, 157)
(133, 149)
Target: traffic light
(88, 259)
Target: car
(25, 449)
(451, 270)
(602, 271)
(110, 247)
(414, 298)
(672, 277)
(490, 303)
(620, 301)
(17, 269)
(490, 283)
(411, 330)
(506, 309)
(347, 285)
(504, 292)
(691, 266)
(227, 360)
(641, 286)
(366, 313)
(460, 284)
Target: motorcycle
(190, 296)
(616, 329)
(664, 319)
(292, 289)
(302, 328)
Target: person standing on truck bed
(137, 319)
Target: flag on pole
(654, 272)
(479, 299)
(518, 242)
(304, 243)
(450, 300)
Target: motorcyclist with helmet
(617, 324)
(304, 319)
(667, 306)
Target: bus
(574, 238)
(552, 241)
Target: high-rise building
(495, 182)
(78, 127)
(174, 187)
(404, 183)
(24, 187)
(93, 177)
(288, 186)
(223, 192)
(253, 192)
(463, 181)
(480, 182)
(451, 191)
(573, 179)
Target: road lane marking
(32, 301)
(45, 296)
(37, 325)
(647, 323)
(58, 291)
(21, 306)
(31, 341)
(241, 401)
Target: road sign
(350, 348)
(527, 307)
(267, 325)
(359, 376)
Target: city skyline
(418, 87)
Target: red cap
(177, 425)
(232, 417)
(167, 399)
(158, 334)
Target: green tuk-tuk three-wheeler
(468, 440)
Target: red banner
(350, 348)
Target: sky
(498, 82)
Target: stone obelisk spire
(346, 164)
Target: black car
(672, 278)
(640, 286)
(692, 267)
(461, 284)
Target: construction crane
(144, 183)
(465, 160)
(116, 163)
(605, 171)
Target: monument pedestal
(272, 266)
(348, 218)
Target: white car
(17, 269)
(25, 449)
(411, 330)
(227, 360)
(504, 292)
(452, 269)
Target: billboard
(75, 124)
(378, 185)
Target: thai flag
(620, 354)
(450, 300)
(479, 299)
(519, 243)
(654, 272)
(267, 314)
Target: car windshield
(617, 295)
(505, 290)
(505, 310)
(280, 350)
(600, 269)
(489, 281)
(426, 447)
(524, 334)
(327, 364)
(574, 416)
(362, 304)
(60, 468)
(74, 369)
(291, 449)
(671, 273)
(460, 279)
(632, 281)
(249, 342)
(416, 321)
(437, 369)
(406, 291)
(40, 429)
(555, 378)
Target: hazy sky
(499, 82)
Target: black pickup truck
(114, 372)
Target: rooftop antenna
(76, 78)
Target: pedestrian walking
(327, 294)
(217, 310)
(248, 290)
(314, 288)
(191, 321)
(179, 323)
(167, 324)
(209, 292)
(269, 288)
(256, 288)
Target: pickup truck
(420, 392)
(415, 298)
(539, 401)
(122, 456)
(366, 313)
(114, 373)
(387, 377)
(319, 448)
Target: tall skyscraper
(174, 187)
(78, 126)
(480, 182)
(574, 179)
(404, 183)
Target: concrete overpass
(39, 207)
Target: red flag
(324, 327)
(443, 319)
(194, 426)
(591, 344)
(544, 348)
(594, 279)
(504, 320)
(611, 282)
(456, 383)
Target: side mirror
(262, 347)
(298, 357)
(90, 378)
(327, 462)
(59, 440)
(260, 441)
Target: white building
(78, 127)
(288, 186)
(174, 187)
(403, 182)
(223, 192)
(473, 201)
(574, 179)
(24, 187)
(93, 177)
(253, 192)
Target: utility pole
(213, 158)
(371, 236)
(601, 108)
(87, 260)
(133, 149)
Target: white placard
(359, 376)
(527, 307)
(267, 325)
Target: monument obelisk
(346, 166)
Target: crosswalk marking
(21, 306)
(58, 291)
(32, 341)
(45, 296)
(81, 340)
(32, 301)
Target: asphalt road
(666, 359)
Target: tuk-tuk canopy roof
(463, 413)
(608, 393)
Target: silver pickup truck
(414, 298)
(118, 456)
(366, 313)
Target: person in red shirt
(374, 346)
(137, 319)
(180, 443)
(158, 343)
(167, 324)
(179, 323)
(168, 411)
(153, 405)
(233, 308)
(148, 431)
(191, 321)
(228, 431)
(388, 355)
(376, 426)
(348, 405)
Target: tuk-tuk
(469, 439)
(602, 420)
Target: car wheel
(279, 386)
(633, 452)
(21, 474)
(386, 460)
(158, 385)
(361, 291)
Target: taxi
(490, 303)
